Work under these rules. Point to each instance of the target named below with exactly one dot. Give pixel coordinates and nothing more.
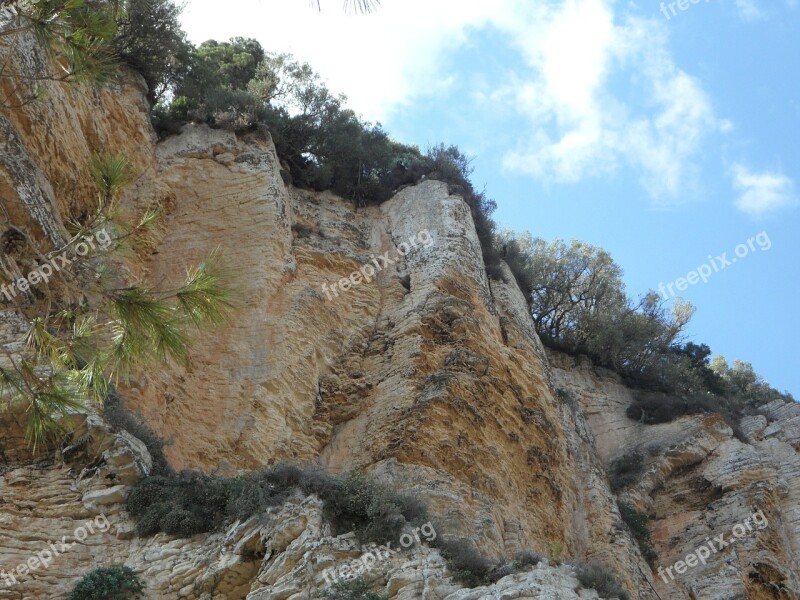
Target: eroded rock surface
(700, 482)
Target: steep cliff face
(428, 375)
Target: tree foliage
(149, 39)
(220, 65)
(579, 305)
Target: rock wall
(700, 482)
(419, 376)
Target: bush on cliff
(355, 589)
(108, 583)
(625, 471)
(637, 523)
(657, 407)
(188, 503)
(598, 577)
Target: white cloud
(580, 128)
(749, 10)
(382, 60)
(762, 193)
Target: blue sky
(667, 141)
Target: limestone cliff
(430, 376)
(701, 482)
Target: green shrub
(637, 522)
(657, 407)
(236, 110)
(526, 559)
(625, 471)
(108, 583)
(595, 576)
(374, 512)
(355, 589)
(191, 503)
(182, 505)
(469, 566)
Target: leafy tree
(742, 382)
(221, 65)
(633, 338)
(568, 283)
(149, 38)
(579, 305)
(695, 366)
(285, 83)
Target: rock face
(423, 372)
(701, 482)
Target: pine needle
(111, 173)
(204, 297)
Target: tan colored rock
(700, 483)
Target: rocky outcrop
(418, 374)
(699, 482)
(287, 552)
